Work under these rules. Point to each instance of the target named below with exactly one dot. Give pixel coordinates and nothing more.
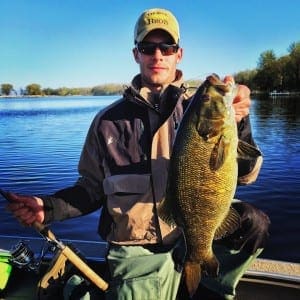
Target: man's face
(157, 69)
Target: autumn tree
(6, 88)
(33, 89)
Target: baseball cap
(156, 18)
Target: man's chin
(157, 80)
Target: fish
(202, 178)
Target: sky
(84, 43)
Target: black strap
(158, 231)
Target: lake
(41, 141)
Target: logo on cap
(156, 18)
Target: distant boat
(275, 93)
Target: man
(123, 168)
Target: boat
(270, 280)
(279, 94)
(265, 279)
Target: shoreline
(54, 96)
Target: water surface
(41, 140)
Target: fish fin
(219, 154)
(164, 211)
(211, 266)
(247, 151)
(192, 275)
(230, 224)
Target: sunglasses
(149, 48)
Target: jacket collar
(137, 92)
(178, 82)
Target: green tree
(268, 77)
(63, 91)
(80, 91)
(294, 66)
(284, 63)
(6, 88)
(33, 89)
(246, 77)
(266, 59)
(107, 89)
(48, 91)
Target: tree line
(272, 73)
(35, 89)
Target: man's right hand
(27, 209)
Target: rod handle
(84, 268)
(73, 258)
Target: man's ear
(136, 55)
(179, 55)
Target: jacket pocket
(130, 204)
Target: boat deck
(264, 280)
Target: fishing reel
(23, 257)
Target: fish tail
(192, 274)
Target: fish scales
(203, 175)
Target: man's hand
(27, 209)
(241, 102)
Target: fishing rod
(69, 254)
(66, 252)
